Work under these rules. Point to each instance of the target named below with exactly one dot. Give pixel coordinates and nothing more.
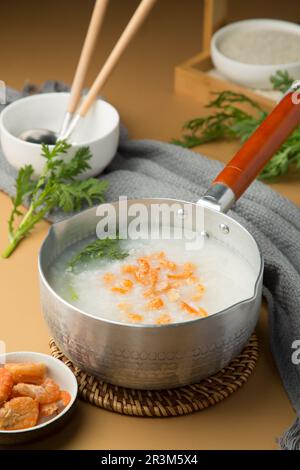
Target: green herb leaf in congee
(73, 294)
(106, 248)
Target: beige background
(41, 40)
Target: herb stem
(24, 228)
(56, 188)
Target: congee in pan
(152, 282)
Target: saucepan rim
(154, 326)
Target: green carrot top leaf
(76, 166)
(106, 248)
(235, 116)
(71, 196)
(25, 186)
(56, 188)
(281, 81)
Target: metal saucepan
(157, 357)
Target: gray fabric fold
(155, 169)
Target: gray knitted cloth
(149, 168)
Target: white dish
(62, 375)
(250, 75)
(99, 130)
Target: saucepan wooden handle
(262, 145)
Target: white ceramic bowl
(249, 75)
(66, 380)
(99, 130)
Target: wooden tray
(192, 78)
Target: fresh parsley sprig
(56, 188)
(230, 122)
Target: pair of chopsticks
(75, 109)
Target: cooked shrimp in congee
(154, 281)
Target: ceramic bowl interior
(99, 130)
(47, 110)
(252, 75)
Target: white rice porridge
(160, 282)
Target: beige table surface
(40, 41)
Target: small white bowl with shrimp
(37, 395)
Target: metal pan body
(151, 356)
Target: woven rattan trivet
(164, 403)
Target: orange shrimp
(170, 265)
(158, 288)
(127, 283)
(119, 290)
(48, 392)
(189, 267)
(141, 279)
(124, 288)
(143, 273)
(129, 269)
(144, 265)
(183, 275)
(193, 311)
(163, 261)
(203, 312)
(155, 304)
(188, 309)
(162, 286)
(191, 280)
(33, 373)
(200, 288)
(149, 292)
(65, 397)
(48, 409)
(108, 278)
(52, 392)
(19, 413)
(200, 291)
(188, 271)
(135, 317)
(153, 276)
(127, 309)
(163, 319)
(6, 385)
